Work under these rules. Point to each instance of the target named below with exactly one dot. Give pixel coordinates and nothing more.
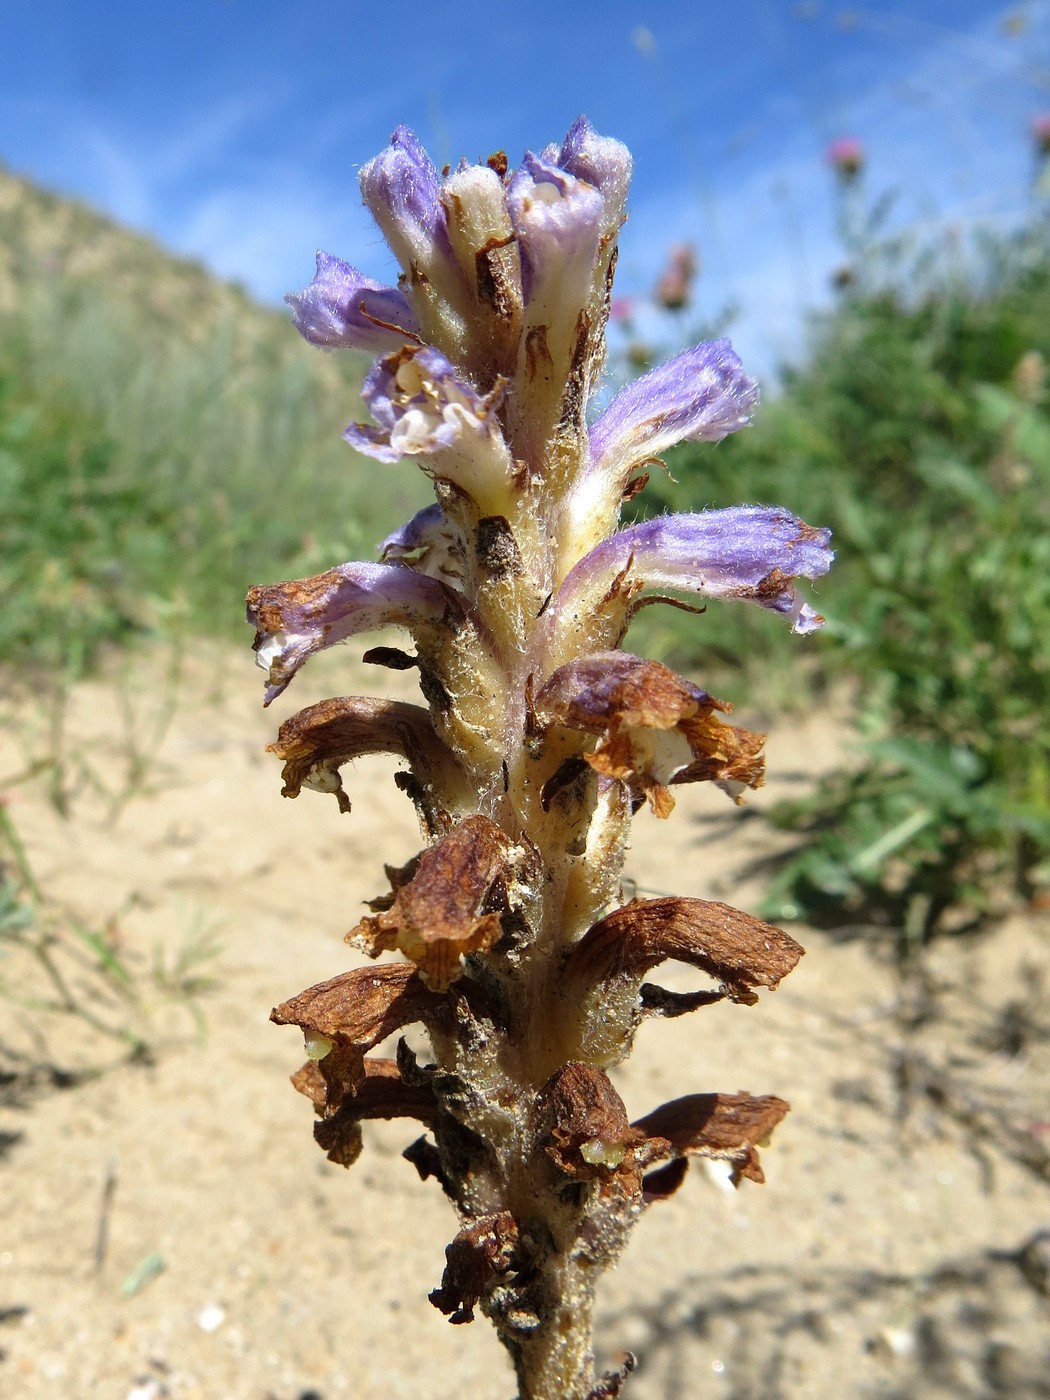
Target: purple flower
(341, 308)
(402, 188)
(423, 408)
(562, 228)
(700, 395)
(558, 220)
(752, 553)
(429, 543)
(293, 620)
(846, 157)
(600, 160)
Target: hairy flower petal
(580, 1124)
(739, 950)
(342, 308)
(700, 395)
(483, 1252)
(302, 616)
(490, 260)
(402, 188)
(600, 160)
(751, 553)
(557, 219)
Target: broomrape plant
(539, 739)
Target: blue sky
(233, 131)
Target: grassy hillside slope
(164, 440)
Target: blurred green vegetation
(917, 428)
(164, 443)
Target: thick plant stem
(556, 1361)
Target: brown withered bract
(582, 1125)
(726, 1127)
(742, 952)
(601, 977)
(637, 708)
(315, 743)
(481, 1253)
(356, 1010)
(383, 1093)
(450, 907)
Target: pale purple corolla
(699, 395)
(424, 409)
(293, 620)
(600, 161)
(558, 221)
(421, 406)
(565, 225)
(402, 189)
(342, 309)
(430, 543)
(746, 553)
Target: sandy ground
(893, 1251)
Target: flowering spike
(539, 739)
